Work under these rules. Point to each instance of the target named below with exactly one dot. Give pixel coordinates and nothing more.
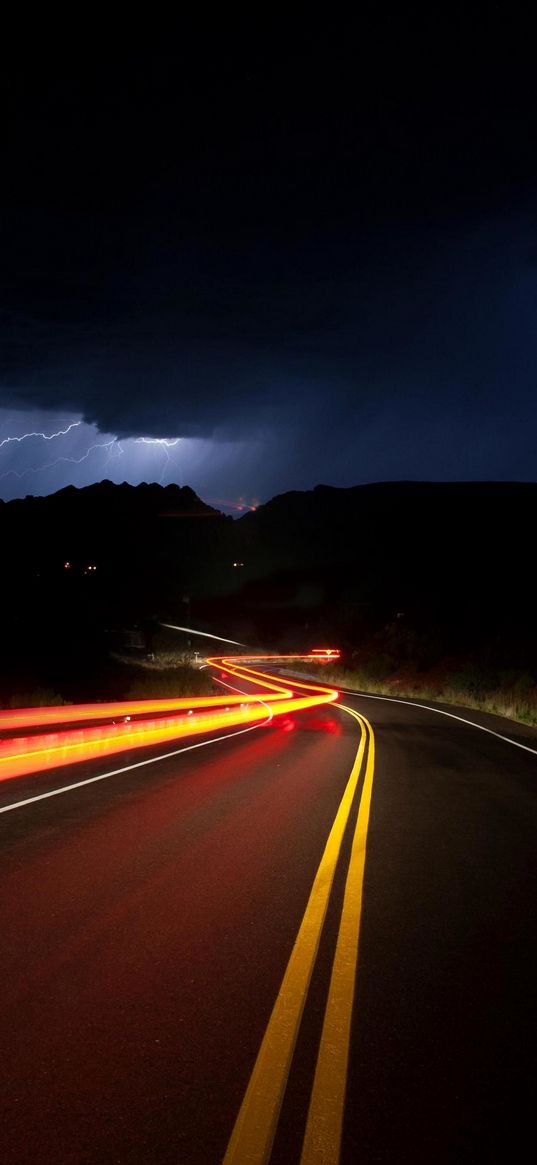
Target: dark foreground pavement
(146, 922)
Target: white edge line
(248, 696)
(440, 712)
(127, 768)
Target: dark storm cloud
(431, 315)
(313, 245)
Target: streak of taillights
(20, 755)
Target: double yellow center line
(253, 1135)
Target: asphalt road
(147, 921)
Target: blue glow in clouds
(44, 452)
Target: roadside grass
(35, 698)
(123, 678)
(168, 682)
(508, 692)
(163, 676)
(511, 693)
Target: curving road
(151, 920)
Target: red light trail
(157, 721)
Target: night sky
(251, 258)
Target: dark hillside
(455, 560)
(421, 570)
(82, 566)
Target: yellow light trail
(255, 1127)
(20, 755)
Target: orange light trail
(20, 755)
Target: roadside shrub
(510, 693)
(166, 684)
(36, 698)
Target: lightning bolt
(165, 443)
(112, 445)
(43, 436)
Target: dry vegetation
(509, 693)
(124, 678)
